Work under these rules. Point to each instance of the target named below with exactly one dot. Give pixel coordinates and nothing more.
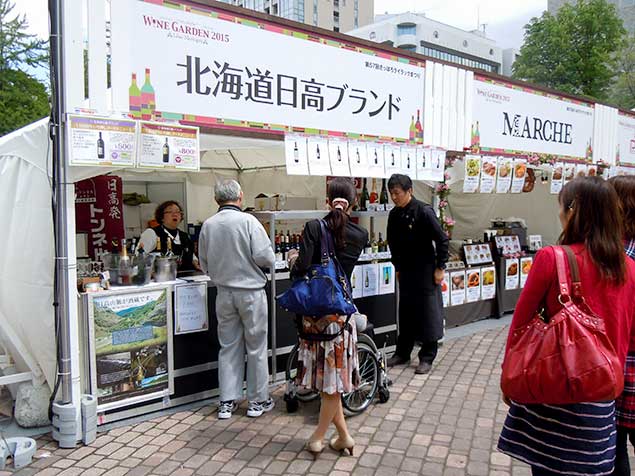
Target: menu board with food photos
(511, 273)
(488, 174)
(457, 287)
(473, 285)
(488, 283)
(477, 254)
(525, 267)
(472, 173)
(518, 179)
(557, 175)
(445, 289)
(509, 244)
(504, 175)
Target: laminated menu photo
(511, 273)
(525, 267)
(557, 178)
(518, 178)
(473, 285)
(488, 174)
(457, 287)
(505, 171)
(488, 282)
(445, 289)
(472, 173)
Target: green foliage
(574, 50)
(623, 90)
(18, 48)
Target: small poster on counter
(370, 283)
(386, 278)
(295, 153)
(445, 289)
(472, 173)
(167, 146)
(358, 158)
(409, 161)
(438, 165)
(569, 173)
(535, 242)
(581, 170)
(101, 141)
(511, 273)
(392, 159)
(477, 254)
(507, 244)
(525, 267)
(505, 170)
(190, 308)
(488, 174)
(338, 157)
(318, 152)
(557, 178)
(518, 180)
(488, 283)
(457, 286)
(473, 285)
(357, 278)
(375, 160)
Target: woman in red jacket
(576, 439)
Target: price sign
(191, 308)
(103, 141)
(168, 146)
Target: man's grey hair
(227, 191)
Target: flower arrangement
(442, 191)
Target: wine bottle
(148, 104)
(296, 153)
(418, 130)
(125, 267)
(157, 247)
(413, 130)
(373, 193)
(134, 98)
(374, 248)
(353, 281)
(169, 252)
(364, 198)
(366, 282)
(166, 152)
(278, 249)
(368, 249)
(383, 195)
(101, 153)
(380, 244)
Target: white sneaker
(225, 409)
(255, 409)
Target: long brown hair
(337, 219)
(593, 222)
(624, 186)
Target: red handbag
(568, 359)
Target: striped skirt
(625, 404)
(561, 440)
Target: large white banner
(208, 67)
(508, 119)
(626, 139)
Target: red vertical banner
(99, 212)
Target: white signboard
(408, 161)
(190, 308)
(318, 152)
(488, 174)
(445, 289)
(557, 178)
(488, 283)
(375, 152)
(626, 139)
(507, 118)
(457, 286)
(166, 146)
(338, 155)
(358, 158)
(296, 154)
(473, 285)
(511, 273)
(357, 279)
(430, 164)
(386, 278)
(392, 159)
(505, 172)
(223, 71)
(472, 173)
(518, 179)
(101, 141)
(370, 284)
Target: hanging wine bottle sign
(392, 157)
(438, 165)
(318, 154)
(358, 158)
(370, 284)
(409, 162)
(296, 154)
(423, 163)
(375, 160)
(338, 155)
(168, 146)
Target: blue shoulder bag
(324, 289)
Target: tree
(23, 99)
(623, 90)
(574, 50)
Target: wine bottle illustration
(148, 104)
(408, 161)
(166, 151)
(376, 158)
(134, 98)
(418, 129)
(359, 159)
(296, 153)
(339, 154)
(101, 153)
(392, 155)
(413, 129)
(317, 151)
(366, 282)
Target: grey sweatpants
(242, 326)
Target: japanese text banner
(212, 69)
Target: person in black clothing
(330, 367)
(169, 215)
(419, 249)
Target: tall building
(625, 10)
(415, 32)
(336, 15)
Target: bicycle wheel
(302, 394)
(358, 400)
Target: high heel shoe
(315, 447)
(340, 445)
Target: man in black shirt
(419, 249)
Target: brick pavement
(444, 423)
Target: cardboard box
(263, 202)
(279, 202)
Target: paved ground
(445, 423)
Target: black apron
(185, 250)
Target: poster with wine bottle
(386, 278)
(358, 158)
(472, 173)
(457, 286)
(318, 156)
(338, 155)
(473, 285)
(295, 153)
(357, 280)
(511, 273)
(168, 146)
(375, 159)
(518, 175)
(445, 289)
(505, 170)
(392, 157)
(422, 168)
(557, 178)
(437, 165)
(103, 141)
(408, 161)
(488, 282)
(370, 280)
(488, 174)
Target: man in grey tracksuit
(233, 247)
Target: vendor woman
(169, 215)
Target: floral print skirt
(328, 366)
